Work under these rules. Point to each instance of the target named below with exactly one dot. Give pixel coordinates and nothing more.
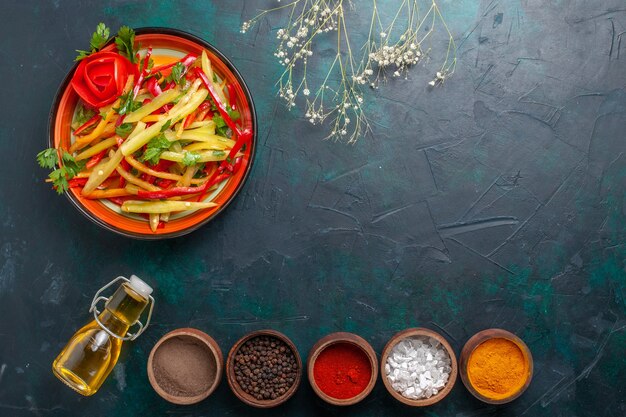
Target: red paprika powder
(342, 371)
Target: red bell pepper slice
(242, 136)
(95, 160)
(126, 167)
(221, 107)
(203, 110)
(238, 164)
(232, 95)
(191, 76)
(231, 168)
(77, 182)
(178, 191)
(205, 105)
(120, 120)
(119, 200)
(89, 123)
(163, 183)
(144, 72)
(153, 86)
(163, 165)
(190, 119)
(148, 178)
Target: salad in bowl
(152, 133)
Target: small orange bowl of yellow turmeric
(496, 366)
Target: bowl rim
(477, 340)
(207, 341)
(253, 142)
(244, 396)
(411, 332)
(335, 339)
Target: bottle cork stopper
(140, 286)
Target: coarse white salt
(418, 367)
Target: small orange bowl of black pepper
(264, 369)
(342, 368)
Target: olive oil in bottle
(91, 354)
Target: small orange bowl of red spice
(342, 368)
(496, 366)
(264, 369)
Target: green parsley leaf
(155, 148)
(82, 54)
(166, 125)
(60, 177)
(234, 114)
(81, 116)
(221, 128)
(125, 41)
(71, 166)
(124, 129)
(98, 39)
(59, 180)
(219, 153)
(200, 173)
(128, 105)
(224, 131)
(156, 75)
(48, 158)
(178, 73)
(219, 121)
(190, 158)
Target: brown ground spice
(184, 367)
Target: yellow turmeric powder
(497, 368)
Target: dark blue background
(495, 201)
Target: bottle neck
(113, 323)
(122, 310)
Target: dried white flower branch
(394, 49)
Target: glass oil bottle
(92, 352)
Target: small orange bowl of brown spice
(185, 366)
(496, 366)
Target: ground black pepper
(184, 367)
(265, 367)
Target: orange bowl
(176, 44)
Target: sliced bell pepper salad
(153, 145)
